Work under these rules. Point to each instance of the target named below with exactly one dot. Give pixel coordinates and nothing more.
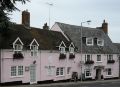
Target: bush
(71, 56)
(89, 62)
(111, 61)
(62, 56)
(18, 56)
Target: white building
(99, 54)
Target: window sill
(88, 76)
(89, 44)
(17, 50)
(72, 52)
(17, 76)
(108, 75)
(60, 76)
(101, 45)
(98, 61)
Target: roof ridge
(78, 26)
(35, 28)
(68, 24)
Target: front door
(32, 73)
(98, 74)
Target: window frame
(17, 71)
(71, 50)
(100, 58)
(109, 57)
(109, 73)
(13, 73)
(34, 50)
(87, 40)
(68, 70)
(16, 48)
(90, 73)
(20, 70)
(102, 42)
(60, 71)
(86, 57)
(62, 50)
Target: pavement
(73, 84)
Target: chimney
(105, 27)
(46, 27)
(26, 18)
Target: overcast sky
(74, 12)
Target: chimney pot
(46, 27)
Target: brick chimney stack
(105, 27)
(26, 18)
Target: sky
(73, 12)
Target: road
(104, 83)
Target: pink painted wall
(7, 62)
(47, 58)
(57, 63)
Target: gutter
(119, 65)
(0, 65)
(40, 66)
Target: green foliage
(9, 5)
(4, 21)
(5, 7)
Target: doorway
(98, 74)
(32, 73)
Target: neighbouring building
(118, 46)
(34, 55)
(100, 56)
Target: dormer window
(34, 50)
(62, 50)
(71, 49)
(62, 47)
(18, 51)
(18, 47)
(89, 41)
(100, 42)
(34, 47)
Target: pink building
(33, 55)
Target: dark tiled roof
(46, 39)
(117, 45)
(74, 33)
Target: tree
(5, 7)
(4, 21)
(9, 5)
